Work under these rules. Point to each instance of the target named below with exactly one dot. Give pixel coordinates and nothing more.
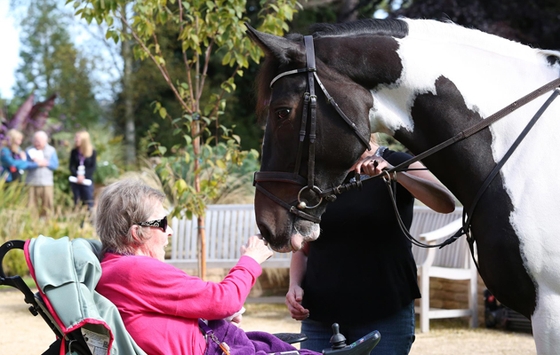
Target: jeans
(397, 333)
(82, 193)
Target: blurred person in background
(14, 159)
(82, 166)
(40, 180)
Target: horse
(424, 82)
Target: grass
(18, 221)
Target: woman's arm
(426, 188)
(9, 161)
(420, 183)
(294, 297)
(73, 162)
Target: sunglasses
(157, 223)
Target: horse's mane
(386, 27)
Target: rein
(467, 216)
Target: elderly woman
(162, 307)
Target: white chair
(452, 262)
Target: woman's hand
(293, 302)
(418, 181)
(256, 249)
(371, 165)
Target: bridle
(309, 112)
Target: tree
(52, 65)
(205, 30)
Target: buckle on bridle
(302, 204)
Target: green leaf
(181, 185)
(163, 112)
(220, 163)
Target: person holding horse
(165, 310)
(360, 272)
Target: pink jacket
(160, 304)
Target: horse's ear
(281, 48)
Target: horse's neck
(448, 85)
(489, 72)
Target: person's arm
(6, 157)
(93, 161)
(53, 161)
(294, 297)
(426, 188)
(73, 163)
(9, 161)
(420, 183)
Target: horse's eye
(283, 113)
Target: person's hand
(80, 179)
(256, 249)
(371, 165)
(293, 302)
(41, 162)
(237, 320)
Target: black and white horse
(423, 82)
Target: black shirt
(89, 163)
(361, 267)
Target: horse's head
(302, 132)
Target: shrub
(17, 221)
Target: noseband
(316, 195)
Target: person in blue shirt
(14, 159)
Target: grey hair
(120, 206)
(42, 135)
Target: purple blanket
(247, 343)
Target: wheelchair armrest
(14, 281)
(291, 338)
(362, 346)
(4, 249)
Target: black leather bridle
(309, 112)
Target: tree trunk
(130, 129)
(195, 129)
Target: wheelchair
(91, 331)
